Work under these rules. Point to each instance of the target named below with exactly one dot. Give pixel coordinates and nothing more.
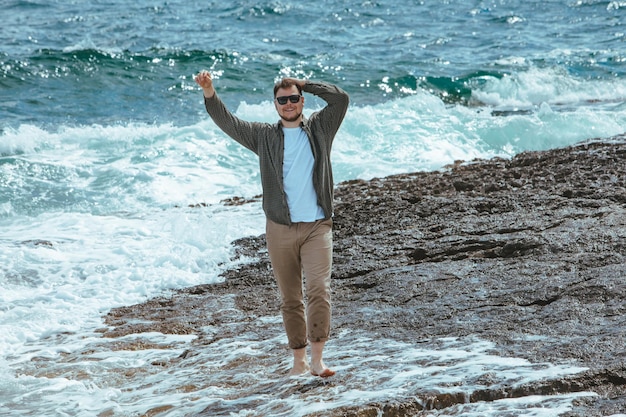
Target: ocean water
(104, 144)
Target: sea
(113, 178)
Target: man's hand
(204, 80)
(296, 81)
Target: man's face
(289, 112)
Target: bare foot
(300, 369)
(324, 374)
(321, 370)
(300, 363)
(317, 363)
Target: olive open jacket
(267, 141)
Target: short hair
(286, 83)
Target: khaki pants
(294, 250)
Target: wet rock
(528, 253)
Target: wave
(129, 168)
(86, 57)
(85, 84)
(520, 90)
(531, 88)
(134, 167)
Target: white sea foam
(25, 139)
(524, 90)
(62, 271)
(241, 377)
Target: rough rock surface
(528, 253)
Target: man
(297, 181)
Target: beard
(292, 118)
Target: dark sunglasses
(283, 99)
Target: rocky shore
(528, 253)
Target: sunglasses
(283, 99)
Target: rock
(528, 253)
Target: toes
(324, 374)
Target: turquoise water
(104, 143)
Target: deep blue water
(105, 62)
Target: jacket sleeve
(337, 101)
(240, 130)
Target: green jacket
(267, 141)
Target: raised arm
(246, 133)
(337, 101)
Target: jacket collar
(303, 123)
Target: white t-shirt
(298, 177)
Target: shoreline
(526, 253)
